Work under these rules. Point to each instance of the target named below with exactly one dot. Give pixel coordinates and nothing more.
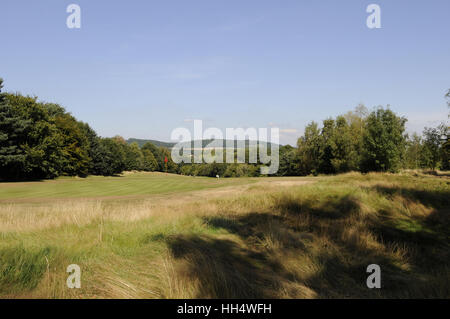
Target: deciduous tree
(383, 141)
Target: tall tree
(327, 147)
(288, 161)
(93, 146)
(309, 150)
(383, 141)
(357, 122)
(156, 151)
(134, 159)
(74, 145)
(111, 157)
(345, 154)
(430, 154)
(12, 127)
(40, 141)
(149, 162)
(413, 152)
(436, 147)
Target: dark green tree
(74, 146)
(171, 166)
(12, 128)
(134, 159)
(149, 162)
(110, 158)
(356, 121)
(383, 141)
(156, 151)
(345, 155)
(93, 147)
(308, 150)
(430, 154)
(327, 147)
(288, 161)
(435, 149)
(40, 141)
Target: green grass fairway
(137, 184)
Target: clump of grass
(22, 269)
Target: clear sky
(141, 68)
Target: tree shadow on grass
(16, 180)
(437, 198)
(223, 268)
(433, 228)
(334, 208)
(332, 236)
(246, 268)
(428, 236)
(441, 174)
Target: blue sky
(142, 68)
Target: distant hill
(169, 145)
(141, 142)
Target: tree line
(369, 141)
(40, 140)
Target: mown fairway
(136, 184)
(185, 237)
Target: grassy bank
(273, 238)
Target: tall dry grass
(275, 240)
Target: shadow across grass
(436, 198)
(427, 236)
(272, 250)
(223, 268)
